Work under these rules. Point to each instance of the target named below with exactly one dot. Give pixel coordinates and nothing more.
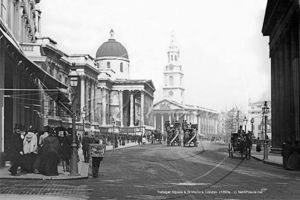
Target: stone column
(162, 123)
(2, 72)
(198, 123)
(92, 101)
(82, 96)
(177, 117)
(95, 101)
(142, 107)
(103, 107)
(154, 118)
(87, 111)
(170, 118)
(121, 106)
(131, 109)
(98, 102)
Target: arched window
(171, 80)
(121, 67)
(108, 64)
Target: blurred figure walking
(86, 140)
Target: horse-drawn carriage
(173, 133)
(156, 137)
(240, 143)
(190, 134)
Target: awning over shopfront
(52, 86)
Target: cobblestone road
(161, 172)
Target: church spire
(173, 52)
(173, 45)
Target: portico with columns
(168, 110)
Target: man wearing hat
(85, 147)
(16, 150)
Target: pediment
(167, 105)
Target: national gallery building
(35, 82)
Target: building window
(51, 72)
(51, 108)
(171, 80)
(108, 64)
(60, 78)
(175, 58)
(171, 57)
(121, 67)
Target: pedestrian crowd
(291, 155)
(40, 151)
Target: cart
(190, 134)
(240, 144)
(173, 133)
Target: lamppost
(265, 111)
(252, 121)
(245, 120)
(113, 135)
(73, 77)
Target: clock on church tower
(173, 75)
(171, 93)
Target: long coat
(50, 157)
(15, 147)
(85, 143)
(67, 148)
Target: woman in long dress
(51, 155)
(294, 160)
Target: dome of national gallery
(112, 48)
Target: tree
(233, 119)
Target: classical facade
(172, 106)
(35, 87)
(127, 102)
(281, 24)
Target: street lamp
(113, 135)
(73, 77)
(252, 121)
(245, 120)
(265, 111)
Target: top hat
(18, 126)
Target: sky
(224, 56)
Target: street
(167, 172)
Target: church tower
(173, 75)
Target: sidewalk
(82, 168)
(273, 159)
